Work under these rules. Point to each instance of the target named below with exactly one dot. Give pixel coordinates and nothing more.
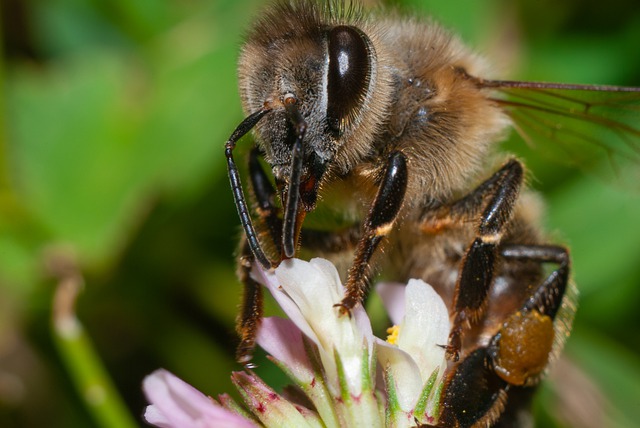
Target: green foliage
(115, 114)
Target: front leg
(236, 186)
(251, 309)
(379, 223)
(498, 195)
(250, 316)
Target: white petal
(312, 286)
(308, 292)
(425, 328)
(405, 371)
(269, 280)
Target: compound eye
(349, 73)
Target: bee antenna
(293, 193)
(236, 185)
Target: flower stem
(89, 376)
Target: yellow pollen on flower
(393, 333)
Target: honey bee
(390, 122)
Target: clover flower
(413, 358)
(333, 361)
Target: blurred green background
(111, 153)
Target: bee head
(313, 68)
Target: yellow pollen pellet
(393, 332)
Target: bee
(390, 123)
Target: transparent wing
(596, 128)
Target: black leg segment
(498, 194)
(248, 321)
(265, 196)
(292, 202)
(473, 394)
(548, 297)
(378, 224)
(236, 186)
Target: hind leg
(500, 376)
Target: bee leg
(467, 208)
(533, 324)
(473, 394)
(476, 391)
(378, 224)
(250, 316)
(477, 269)
(548, 296)
(265, 196)
(236, 185)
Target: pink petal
(392, 294)
(154, 416)
(283, 341)
(175, 403)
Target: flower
(177, 404)
(413, 364)
(334, 360)
(308, 292)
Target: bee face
(329, 70)
(293, 71)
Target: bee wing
(579, 125)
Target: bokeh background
(114, 115)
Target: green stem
(89, 376)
